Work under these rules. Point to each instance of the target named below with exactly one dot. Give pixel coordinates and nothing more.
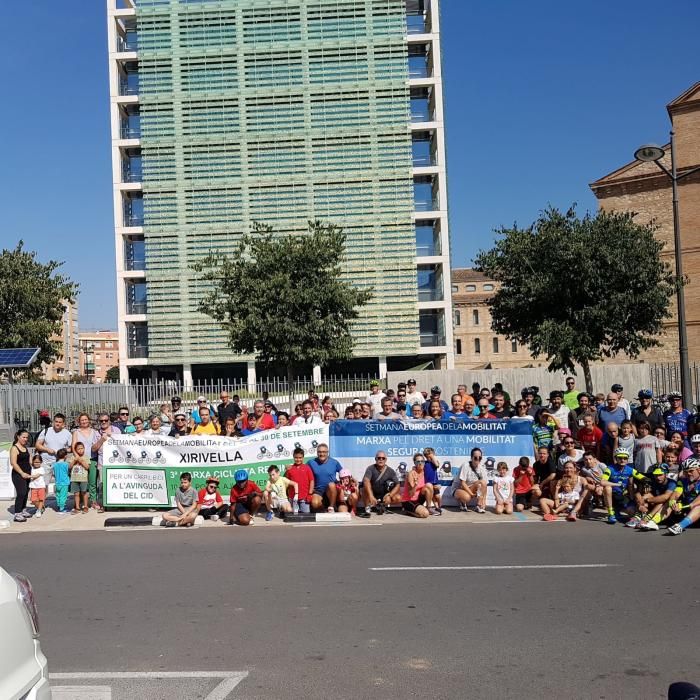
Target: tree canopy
(577, 290)
(33, 298)
(112, 375)
(282, 298)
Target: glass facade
(278, 113)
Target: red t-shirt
(590, 439)
(525, 484)
(209, 500)
(265, 422)
(242, 495)
(302, 476)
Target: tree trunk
(290, 386)
(587, 376)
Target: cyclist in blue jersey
(616, 482)
(543, 429)
(652, 497)
(677, 418)
(686, 497)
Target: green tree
(577, 290)
(33, 298)
(112, 375)
(283, 299)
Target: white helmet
(695, 439)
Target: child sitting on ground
(61, 476)
(503, 489)
(275, 494)
(348, 493)
(37, 486)
(79, 470)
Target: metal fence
(20, 404)
(667, 377)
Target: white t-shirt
(39, 483)
(375, 401)
(503, 486)
(413, 397)
(469, 476)
(565, 458)
(313, 419)
(54, 441)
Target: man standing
(622, 402)
(206, 424)
(307, 417)
(676, 418)
(484, 412)
(456, 413)
(646, 413)
(499, 406)
(387, 412)
(412, 395)
(571, 394)
(123, 424)
(325, 469)
(263, 421)
(563, 414)
(375, 397)
(435, 393)
(51, 440)
(179, 427)
(380, 485)
(227, 408)
(528, 396)
(611, 412)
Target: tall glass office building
(228, 112)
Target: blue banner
(354, 443)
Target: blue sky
(542, 97)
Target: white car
(24, 673)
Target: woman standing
(21, 474)
(86, 434)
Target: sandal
(74, 511)
(550, 517)
(85, 510)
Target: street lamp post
(652, 153)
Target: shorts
(278, 502)
(37, 495)
(78, 486)
(175, 512)
(382, 489)
(410, 506)
(524, 499)
(239, 509)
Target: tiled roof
(468, 274)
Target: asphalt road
(302, 612)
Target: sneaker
(571, 517)
(434, 511)
(675, 529)
(19, 518)
(463, 507)
(214, 518)
(479, 509)
(380, 508)
(611, 520)
(170, 523)
(199, 520)
(648, 525)
(550, 517)
(330, 509)
(252, 520)
(634, 522)
(39, 513)
(268, 516)
(26, 514)
(368, 511)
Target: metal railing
(136, 307)
(126, 88)
(666, 377)
(133, 264)
(127, 43)
(145, 398)
(137, 351)
(133, 219)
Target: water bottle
(295, 505)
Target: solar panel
(18, 357)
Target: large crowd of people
(639, 464)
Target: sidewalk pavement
(51, 521)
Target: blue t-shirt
(677, 422)
(61, 473)
(455, 417)
(324, 474)
(617, 415)
(431, 474)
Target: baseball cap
(556, 394)
(411, 381)
(436, 390)
(176, 398)
(617, 387)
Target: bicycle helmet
(241, 475)
(675, 395)
(645, 394)
(691, 463)
(622, 452)
(344, 473)
(695, 438)
(660, 469)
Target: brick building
(99, 352)
(67, 364)
(643, 188)
(476, 345)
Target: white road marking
(493, 568)
(83, 692)
(230, 679)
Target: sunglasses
(123, 414)
(568, 442)
(104, 420)
(419, 461)
(478, 459)
(381, 459)
(179, 420)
